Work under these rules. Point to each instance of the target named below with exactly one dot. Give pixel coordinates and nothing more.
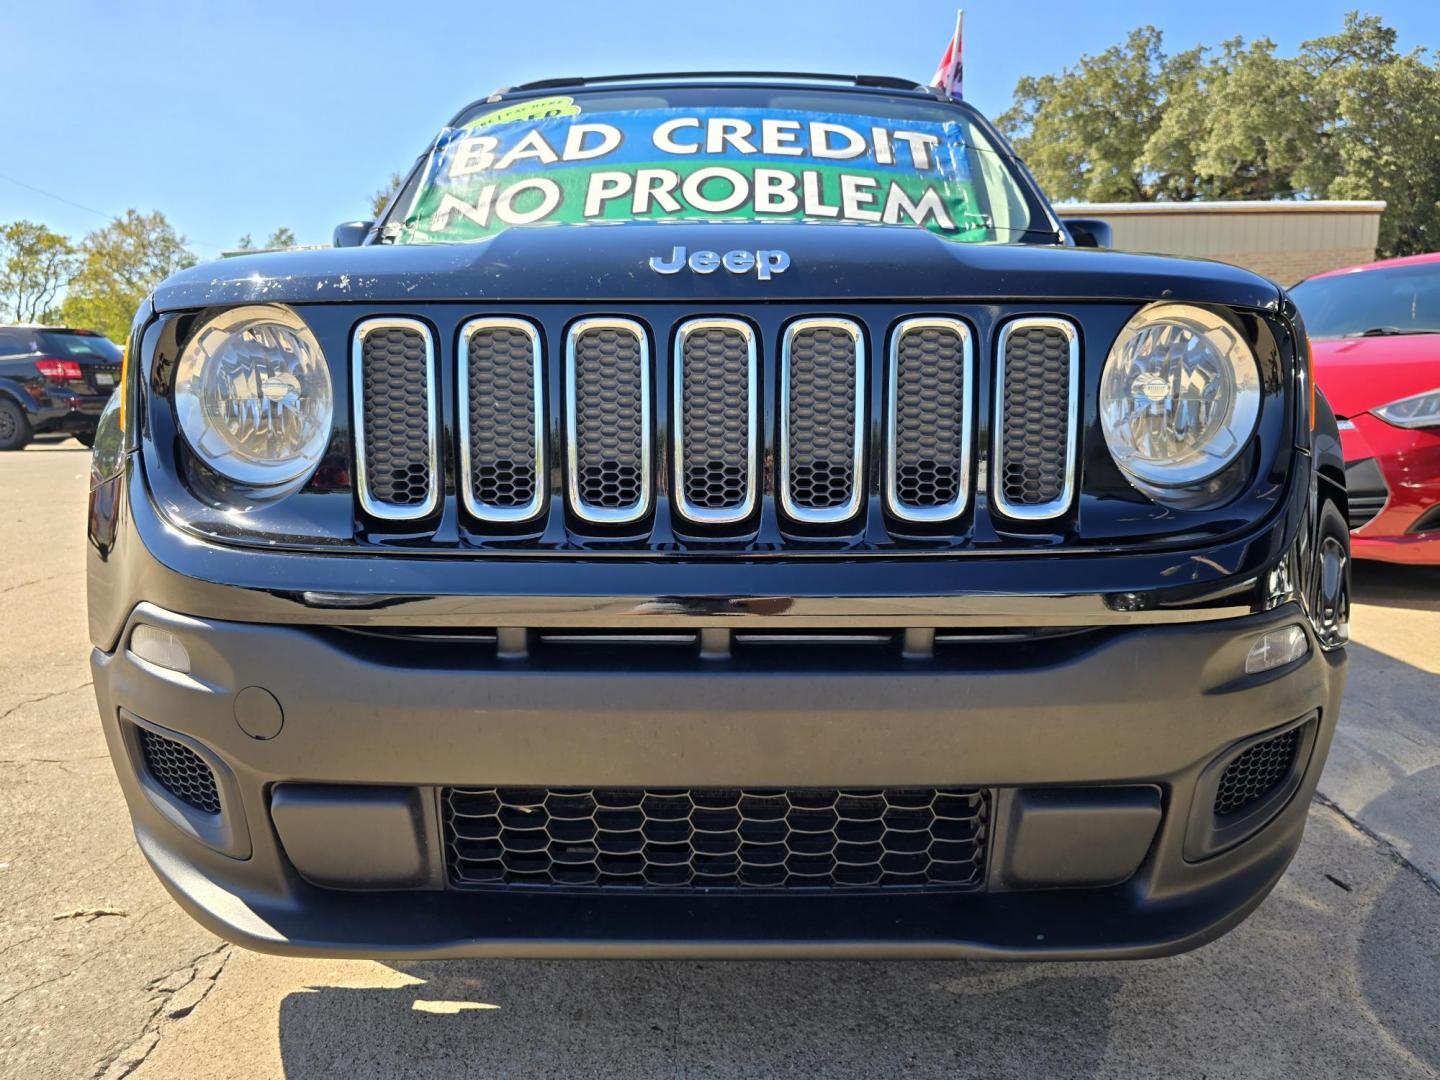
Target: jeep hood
(1357, 375)
(610, 263)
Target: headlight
(1420, 411)
(252, 392)
(1180, 396)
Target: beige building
(1285, 241)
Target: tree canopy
(35, 264)
(1348, 117)
(119, 264)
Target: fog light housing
(160, 647)
(1276, 648)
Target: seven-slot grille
(822, 423)
(1037, 386)
(716, 410)
(715, 837)
(928, 459)
(502, 419)
(607, 387)
(717, 383)
(397, 452)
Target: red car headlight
(1417, 411)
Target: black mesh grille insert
(609, 418)
(820, 417)
(720, 837)
(395, 389)
(1035, 425)
(1256, 773)
(501, 407)
(929, 435)
(180, 771)
(715, 418)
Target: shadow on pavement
(624, 1018)
(1391, 585)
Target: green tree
(381, 198)
(282, 237)
(1349, 117)
(1083, 132)
(35, 264)
(1378, 134)
(120, 264)
(246, 243)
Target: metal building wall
(1286, 241)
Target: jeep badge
(764, 263)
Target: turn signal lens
(159, 647)
(1276, 648)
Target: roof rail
(887, 82)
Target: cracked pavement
(1338, 973)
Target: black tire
(85, 438)
(1331, 594)
(15, 429)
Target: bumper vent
(180, 771)
(823, 410)
(1256, 773)
(716, 837)
(928, 464)
(502, 420)
(607, 378)
(716, 406)
(394, 372)
(1037, 394)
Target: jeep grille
(794, 411)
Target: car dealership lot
(1338, 973)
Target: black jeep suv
(718, 516)
(53, 380)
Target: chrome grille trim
(1057, 506)
(478, 508)
(717, 515)
(603, 515)
(845, 511)
(897, 507)
(373, 507)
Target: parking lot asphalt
(101, 975)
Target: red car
(1376, 335)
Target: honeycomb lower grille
(729, 838)
(608, 381)
(1038, 383)
(180, 771)
(1256, 772)
(394, 370)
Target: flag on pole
(950, 75)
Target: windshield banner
(694, 164)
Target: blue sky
(236, 117)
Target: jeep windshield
(732, 153)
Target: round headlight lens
(252, 393)
(1180, 396)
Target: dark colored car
(54, 380)
(718, 515)
(1376, 335)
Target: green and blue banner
(544, 162)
